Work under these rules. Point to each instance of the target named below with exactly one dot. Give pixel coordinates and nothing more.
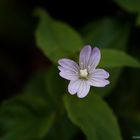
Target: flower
(85, 74)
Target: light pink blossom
(85, 74)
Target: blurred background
(21, 59)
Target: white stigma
(83, 73)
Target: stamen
(83, 73)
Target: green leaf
(63, 129)
(129, 5)
(106, 33)
(25, 118)
(46, 125)
(56, 39)
(28, 116)
(93, 116)
(55, 86)
(114, 58)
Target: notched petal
(68, 64)
(73, 86)
(68, 76)
(94, 58)
(83, 89)
(96, 82)
(100, 73)
(85, 56)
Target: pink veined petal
(94, 59)
(83, 89)
(85, 56)
(69, 64)
(99, 73)
(68, 71)
(98, 82)
(69, 75)
(74, 86)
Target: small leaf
(93, 116)
(115, 58)
(56, 39)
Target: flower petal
(80, 87)
(83, 89)
(85, 56)
(100, 73)
(68, 74)
(98, 82)
(69, 64)
(94, 58)
(73, 86)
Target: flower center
(83, 73)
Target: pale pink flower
(85, 74)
